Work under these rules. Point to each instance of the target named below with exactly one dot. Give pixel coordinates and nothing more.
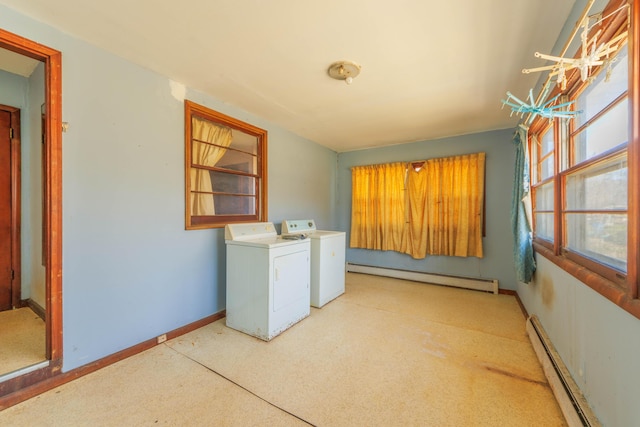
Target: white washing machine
(268, 279)
(327, 259)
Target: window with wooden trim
(594, 210)
(584, 180)
(225, 169)
(543, 183)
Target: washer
(268, 279)
(327, 259)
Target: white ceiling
(430, 69)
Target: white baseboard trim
(486, 285)
(573, 404)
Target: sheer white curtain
(208, 144)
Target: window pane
(602, 237)
(229, 183)
(546, 168)
(601, 186)
(202, 204)
(544, 197)
(544, 226)
(601, 93)
(244, 142)
(546, 144)
(607, 132)
(234, 205)
(239, 161)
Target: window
(582, 174)
(543, 184)
(594, 214)
(432, 207)
(225, 169)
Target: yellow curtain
(378, 206)
(417, 216)
(208, 144)
(445, 200)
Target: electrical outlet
(162, 338)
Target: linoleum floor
(386, 353)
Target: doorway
(22, 324)
(51, 212)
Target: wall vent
(574, 406)
(487, 285)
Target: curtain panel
(208, 144)
(378, 207)
(434, 210)
(520, 211)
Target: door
(291, 280)
(5, 212)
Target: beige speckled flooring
(22, 339)
(386, 353)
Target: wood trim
(192, 109)
(30, 385)
(518, 300)
(16, 216)
(558, 194)
(188, 225)
(35, 307)
(53, 102)
(598, 267)
(633, 156)
(16, 210)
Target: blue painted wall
(33, 271)
(497, 245)
(13, 90)
(130, 270)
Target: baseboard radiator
(574, 406)
(486, 285)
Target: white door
(291, 279)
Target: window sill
(613, 292)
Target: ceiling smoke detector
(344, 70)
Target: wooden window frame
(543, 127)
(218, 221)
(619, 288)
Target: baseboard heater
(487, 285)
(574, 406)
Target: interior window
(225, 164)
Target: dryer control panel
(298, 226)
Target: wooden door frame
(14, 123)
(52, 60)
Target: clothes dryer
(268, 280)
(327, 259)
